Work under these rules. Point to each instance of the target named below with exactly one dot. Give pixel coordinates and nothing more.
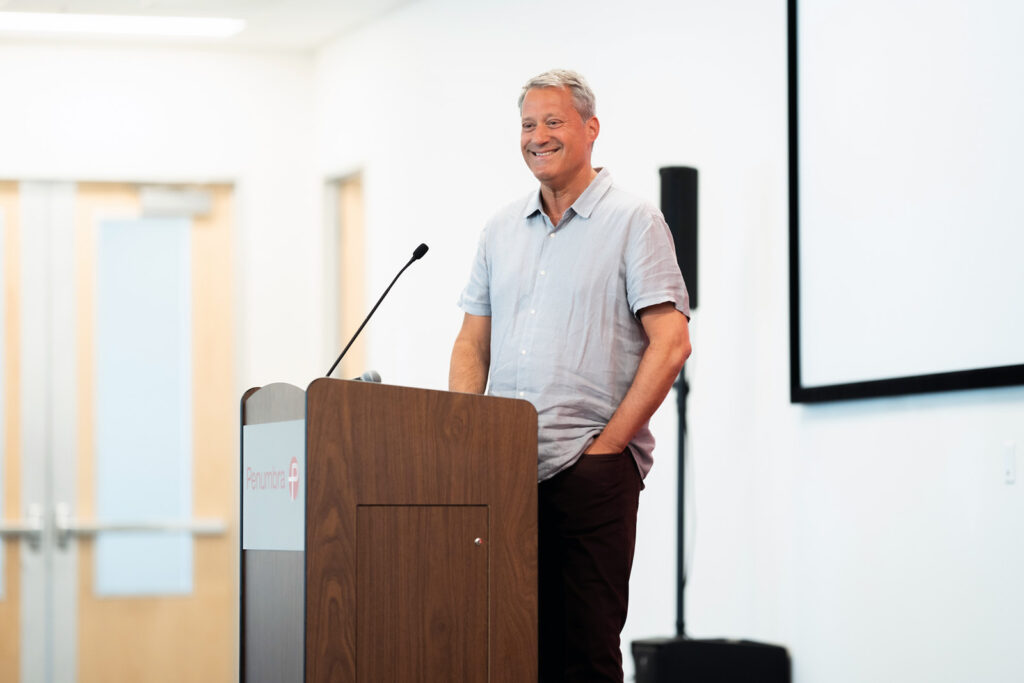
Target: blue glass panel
(143, 403)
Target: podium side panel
(272, 582)
(274, 614)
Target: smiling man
(575, 303)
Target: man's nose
(540, 135)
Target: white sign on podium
(274, 486)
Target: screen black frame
(977, 378)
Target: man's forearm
(658, 369)
(471, 355)
(468, 370)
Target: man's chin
(542, 174)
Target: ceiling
(270, 24)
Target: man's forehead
(547, 100)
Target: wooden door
(155, 638)
(10, 455)
(71, 403)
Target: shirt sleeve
(652, 273)
(476, 296)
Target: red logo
(293, 479)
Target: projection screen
(906, 136)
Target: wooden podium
(416, 556)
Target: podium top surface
(281, 401)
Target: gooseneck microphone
(416, 255)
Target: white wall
(876, 539)
(124, 113)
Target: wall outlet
(1010, 462)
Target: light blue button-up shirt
(563, 301)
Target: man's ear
(593, 128)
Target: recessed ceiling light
(120, 25)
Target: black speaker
(686, 660)
(679, 205)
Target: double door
(117, 434)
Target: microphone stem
(369, 315)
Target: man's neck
(555, 201)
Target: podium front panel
(421, 593)
(421, 535)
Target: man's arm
(471, 355)
(669, 335)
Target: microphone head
(420, 251)
(368, 376)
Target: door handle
(68, 526)
(30, 528)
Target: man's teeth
(544, 154)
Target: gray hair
(582, 95)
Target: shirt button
(550, 235)
(533, 312)
(523, 352)
(522, 393)
(542, 272)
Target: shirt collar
(533, 205)
(585, 203)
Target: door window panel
(143, 403)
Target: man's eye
(527, 126)
(554, 123)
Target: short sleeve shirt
(564, 302)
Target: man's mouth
(544, 154)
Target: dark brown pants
(587, 531)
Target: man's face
(555, 140)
